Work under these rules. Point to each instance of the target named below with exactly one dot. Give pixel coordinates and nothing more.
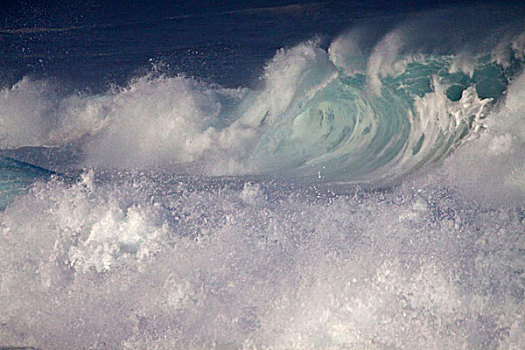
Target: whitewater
(366, 191)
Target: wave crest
(346, 114)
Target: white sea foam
(129, 255)
(146, 261)
(160, 120)
(346, 52)
(384, 60)
(492, 168)
(33, 113)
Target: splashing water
(360, 197)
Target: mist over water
(367, 192)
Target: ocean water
(315, 175)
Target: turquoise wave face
(346, 132)
(16, 177)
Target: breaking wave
(338, 115)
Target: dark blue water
(87, 44)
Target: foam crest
(491, 169)
(156, 121)
(516, 46)
(384, 60)
(289, 75)
(22, 115)
(439, 125)
(34, 113)
(347, 53)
